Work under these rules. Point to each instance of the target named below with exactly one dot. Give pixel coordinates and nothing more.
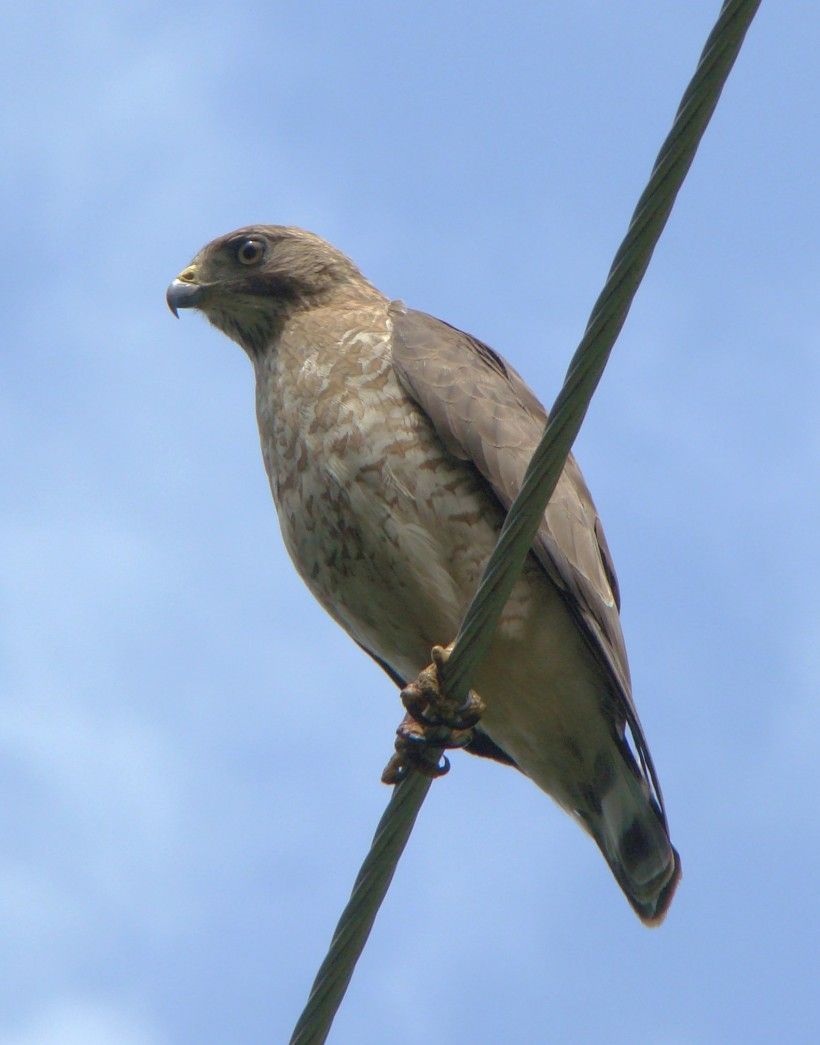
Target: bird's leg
(433, 722)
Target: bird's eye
(250, 251)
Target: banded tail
(631, 832)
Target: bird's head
(249, 282)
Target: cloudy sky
(189, 749)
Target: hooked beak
(182, 294)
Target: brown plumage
(394, 443)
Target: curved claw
(469, 714)
(399, 766)
(412, 734)
(442, 769)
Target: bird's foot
(432, 724)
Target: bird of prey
(394, 443)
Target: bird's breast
(388, 530)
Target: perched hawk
(394, 444)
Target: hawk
(394, 443)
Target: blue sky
(189, 749)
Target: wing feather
(484, 413)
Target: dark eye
(250, 251)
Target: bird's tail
(631, 832)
